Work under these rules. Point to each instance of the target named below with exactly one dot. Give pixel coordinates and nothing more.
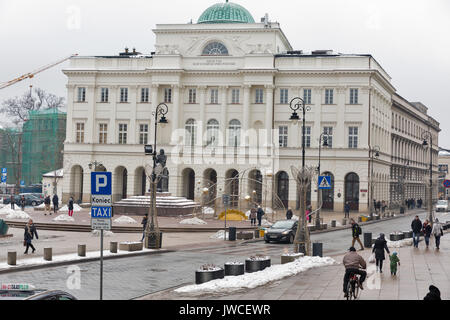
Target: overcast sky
(409, 38)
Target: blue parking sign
(4, 171)
(101, 183)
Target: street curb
(72, 262)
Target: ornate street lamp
(303, 178)
(152, 233)
(374, 153)
(428, 136)
(323, 141)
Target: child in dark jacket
(394, 262)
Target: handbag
(372, 258)
(24, 243)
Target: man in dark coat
(416, 226)
(378, 249)
(144, 225)
(355, 234)
(259, 215)
(55, 201)
(30, 232)
(289, 214)
(13, 200)
(434, 294)
(347, 210)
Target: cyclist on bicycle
(353, 262)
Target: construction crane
(32, 74)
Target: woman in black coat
(30, 232)
(378, 249)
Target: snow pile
(218, 235)
(64, 217)
(265, 223)
(208, 267)
(125, 220)
(96, 233)
(400, 244)
(76, 208)
(295, 218)
(194, 220)
(207, 210)
(6, 210)
(256, 279)
(17, 215)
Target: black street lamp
(374, 153)
(297, 104)
(323, 141)
(152, 233)
(428, 136)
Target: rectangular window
(104, 95)
(81, 94)
(214, 96)
(307, 96)
(123, 94)
(353, 137)
(80, 132)
(192, 96)
(143, 133)
(123, 128)
(283, 136)
(307, 137)
(235, 96)
(103, 133)
(353, 96)
(144, 94)
(259, 98)
(329, 96)
(168, 95)
(328, 131)
(284, 96)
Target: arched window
(191, 132)
(212, 133)
(234, 133)
(215, 49)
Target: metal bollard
(317, 249)
(256, 234)
(82, 250)
(48, 254)
(333, 223)
(113, 247)
(344, 222)
(12, 258)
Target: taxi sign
(17, 287)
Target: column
(269, 113)
(224, 114)
(133, 110)
(90, 125)
(340, 126)
(112, 118)
(316, 130)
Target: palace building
(228, 82)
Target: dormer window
(215, 49)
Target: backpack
(358, 230)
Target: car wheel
(291, 238)
(34, 203)
(266, 241)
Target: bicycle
(353, 287)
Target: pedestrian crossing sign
(324, 182)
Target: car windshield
(283, 224)
(442, 202)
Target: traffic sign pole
(101, 264)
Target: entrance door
(352, 191)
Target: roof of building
(226, 12)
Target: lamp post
(374, 152)
(323, 137)
(428, 136)
(152, 234)
(403, 187)
(301, 241)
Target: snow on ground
(13, 214)
(207, 210)
(76, 208)
(7, 210)
(218, 235)
(64, 217)
(194, 220)
(256, 279)
(125, 220)
(96, 233)
(400, 244)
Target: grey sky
(409, 38)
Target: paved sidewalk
(419, 269)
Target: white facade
(243, 93)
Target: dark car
(283, 230)
(30, 200)
(28, 292)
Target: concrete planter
(48, 254)
(82, 250)
(113, 247)
(407, 234)
(12, 258)
(234, 269)
(252, 265)
(377, 217)
(397, 236)
(287, 258)
(311, 228)
(245, 236)
(131, 246)
(344, 222)
(333, 223)
(202, 276)
(323, 226)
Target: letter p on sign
(101, 183)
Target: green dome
(226, 13)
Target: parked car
(442, 205)
(29, 292)
(283, 230)
(30, 200)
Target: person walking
(253, 216)
(427, 232)
(70, 206)
(13, 201)
(437, 232)
(259, 214)
(356, 232)
(289, 214)
(394, 262)
(144, 225)
(55, 201)
(30, 232)
(308, 214)
(347, 210)
(416, 226)
(378, 249)
(22, 202)
(47, 203)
